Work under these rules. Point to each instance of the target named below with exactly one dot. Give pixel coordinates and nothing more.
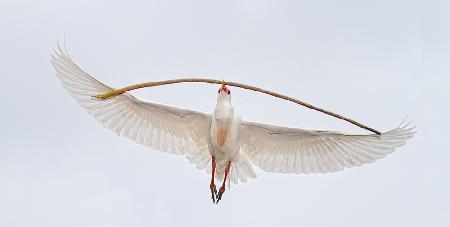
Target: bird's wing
(165, 128)
(289, 150)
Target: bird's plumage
(181, 131)
(291, 150)
(166, 128)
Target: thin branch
(116, 92)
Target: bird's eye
(229, 92)
(218, 91)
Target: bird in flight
(221, 142)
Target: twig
(116, 92)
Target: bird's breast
(223, 133)
(224, 138)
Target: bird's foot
(219, 195)
(213, 192)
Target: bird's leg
(212, 186)
(222, 188)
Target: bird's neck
(224, 109)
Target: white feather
(158, 126)
(272, 148)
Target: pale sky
(374, 61)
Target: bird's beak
(223, 89)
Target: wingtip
(60, 50)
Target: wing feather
(289, 150)
(166, 128)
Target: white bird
(221, 142)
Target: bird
(221, 142)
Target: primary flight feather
(221, 142)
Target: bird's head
(224, 90)
(224, 109)
(224, 94)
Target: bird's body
(224, 135)
(221, 142)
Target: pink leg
(212, 186)
(222, 188)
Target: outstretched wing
(165, 128)
(289, 150)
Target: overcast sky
(374, 61)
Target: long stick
(116, 92)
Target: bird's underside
(227, 153)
